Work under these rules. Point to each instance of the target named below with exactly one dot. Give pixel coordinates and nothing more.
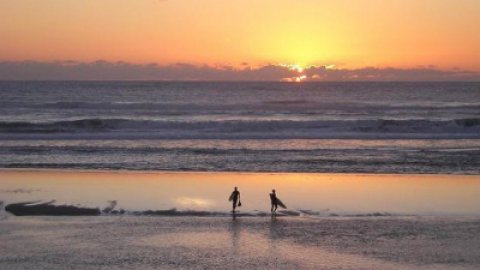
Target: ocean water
(370, 127)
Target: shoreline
(206, 193)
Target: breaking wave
(246, 129)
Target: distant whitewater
(216, 126)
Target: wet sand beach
(141, 242)
(304, 193)
(167, 220)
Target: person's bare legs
(274, 209)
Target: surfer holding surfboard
(235, 198)
(275, 202)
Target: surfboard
(281, 204)
(231, 197)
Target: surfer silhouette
(235, 199)
(275, 202)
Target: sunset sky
(343, 34)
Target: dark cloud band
(104, 70)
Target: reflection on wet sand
(235, 229)
(273, 237)
(141, 242)
(204, 193)
(238, 245)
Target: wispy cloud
(104, 70)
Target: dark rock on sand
(48, 209)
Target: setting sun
(300, 78)
(295, 67)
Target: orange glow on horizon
(344, 34)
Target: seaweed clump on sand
(49, 209)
